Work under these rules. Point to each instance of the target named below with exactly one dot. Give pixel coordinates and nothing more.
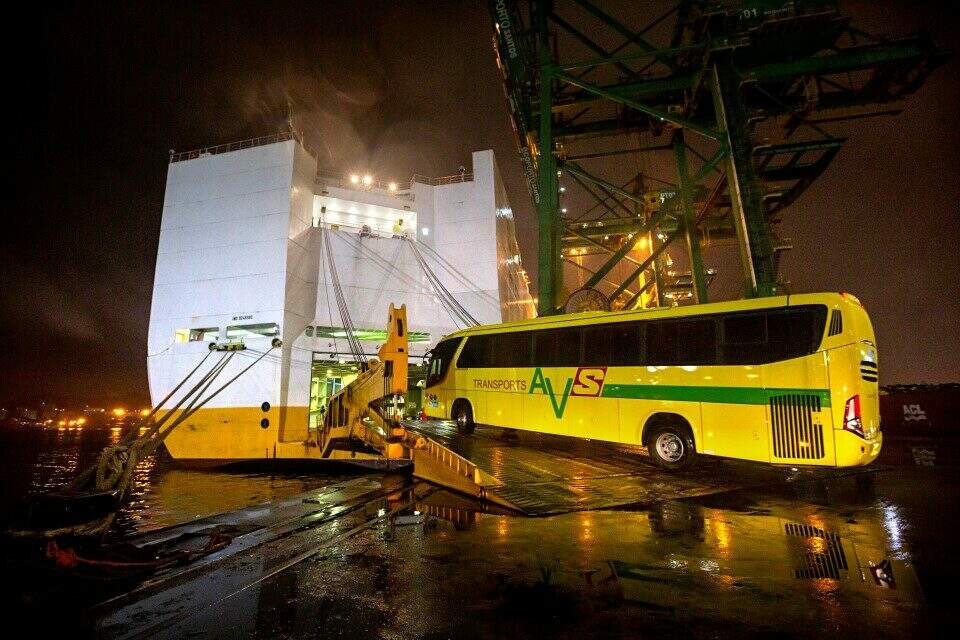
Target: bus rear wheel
(463, 417)
(671, 447)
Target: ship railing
(455, 178)
(327, 178)
(282, 136)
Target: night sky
(102, 91)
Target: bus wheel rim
(670, 447)
(462, 419)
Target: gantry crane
(732, 96)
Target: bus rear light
(852, 298)
(851, 416)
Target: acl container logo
(913, 412)
(588, 381)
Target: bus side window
(557, 347)
(698, 342)
(661, 343)
(512, 349)
(795, 332)
(612, 345)
(476, 353)
(744, 338)
(682, 342)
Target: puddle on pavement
(796, 561)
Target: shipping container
(920, 410)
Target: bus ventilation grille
(836, 323)
(823, 555)
(794, 433)
(869, 371)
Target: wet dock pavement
(544, 474)
(727, 550)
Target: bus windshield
(440, 359)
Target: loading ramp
(542, 474)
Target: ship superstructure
(241, 259)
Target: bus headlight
(851, 417)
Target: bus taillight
(851, 416)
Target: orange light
(81, 421)
(62, 422)
(144, 412)
(119, 412)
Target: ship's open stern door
(369, 411)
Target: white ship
(241, 260)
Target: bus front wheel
(463, 417)
(671, 447)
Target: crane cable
(449, 268)
(401, 276)
(355, 347)
(443, 293)
(388, 271)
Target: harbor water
(727, 549)
(34, 460)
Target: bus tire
(463, 417)
(671, 446)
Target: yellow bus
(785, 380)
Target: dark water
(34, 460)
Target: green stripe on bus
(723, 395)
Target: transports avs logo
(588, 381)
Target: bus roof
(830, 299)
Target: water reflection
(766, 565)
(777, 562)
(893, 524)
(36, 461)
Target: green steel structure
(731, 96)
